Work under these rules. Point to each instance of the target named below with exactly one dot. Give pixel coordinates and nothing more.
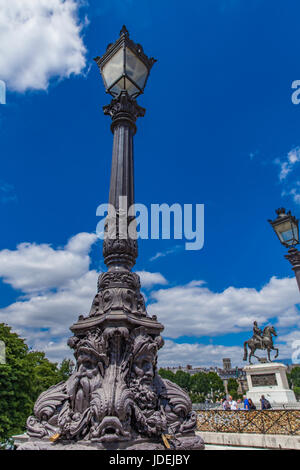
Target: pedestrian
(233, 403)
(225, 404)
(265, 404)
(251, 404)
(246, 403)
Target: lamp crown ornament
(281, 212)
(115, 399)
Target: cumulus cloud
(7, 192)
(174, 354)
(39, 39)
(59, 285)
(195, 310)
(287, 165)
(149, 279)
(53, 310)
(294, 192)
(162, 254)
(33, 267)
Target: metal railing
(274, 421)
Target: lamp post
(286, 227)
(115, 399)
(125, 70)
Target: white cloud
(39, 39)
(294, 192)
(53, 310)
(55, 350)
(194, 310)
(287, 166)
(7, 192)
(175, 354)
(161, 254)
(33, 267)
(59, 285)
(150, 279)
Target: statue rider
(257, 334)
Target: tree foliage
(294, 377)
(22, 378)
(233, 386)
(200, 386)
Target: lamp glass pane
(285, 232)
(296, 231)
(114, 68)
(118, 87)
(130, 88)
(136, 69)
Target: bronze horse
(266, 343)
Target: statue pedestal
(269, 380)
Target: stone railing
(255, 422)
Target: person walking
(225, 404)
(246, 403)
(251, 404)
(233, 404)
(265, 404)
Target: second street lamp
(286, 227)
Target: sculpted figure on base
(115, 394)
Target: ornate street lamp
(124, 67)
(286, 227)
(115, 399)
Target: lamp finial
(124, 31)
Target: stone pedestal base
(187, 442)
(269, 380)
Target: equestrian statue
(260, 340)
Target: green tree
(167, 374)
(216, 385)
(65, 369)
(15, 384)
(297, 392)
(233, 388)
(294, 377)
(44, 373)
(183, 379)
(22, 378)
(200, 384)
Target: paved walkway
(214, 447)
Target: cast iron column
(294, 259)
(119, 248)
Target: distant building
(227, 363)
(226, 373)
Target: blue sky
(220, 129)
